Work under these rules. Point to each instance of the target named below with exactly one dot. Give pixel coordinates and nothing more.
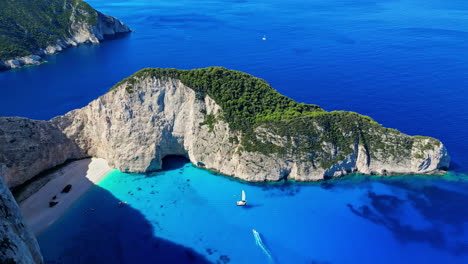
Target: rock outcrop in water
(156, 113)
(17, 242)
(30, 30)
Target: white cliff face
(135, 130)
(17, 242)
(20, 62)
(80, 31)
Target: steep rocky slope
(17, 242)
(238, 125)
(222, 120)
(30, 30)
(28, 147)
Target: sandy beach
(81, 174)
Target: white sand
(81, 174)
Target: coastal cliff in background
(30, 30)
(17, 243)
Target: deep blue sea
(402, 62)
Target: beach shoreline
(81, 175)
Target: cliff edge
(236, 124)
(220, 119)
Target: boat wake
(259, 242)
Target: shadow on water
(99, 230)
(250, 206)
(456, 167)
(282, 189)
(443, 210)
(117, 36)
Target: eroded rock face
(135, 129)
(28, 147)
(17, 242)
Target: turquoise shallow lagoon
(188, 215)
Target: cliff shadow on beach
(97, 229)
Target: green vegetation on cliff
(29, 25)
(269, 122)
(245, 100)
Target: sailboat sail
(243, 195)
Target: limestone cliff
(153, 114)
(31, 30)
(230, 122)
(17, 242)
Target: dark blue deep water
(402, 62)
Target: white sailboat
(243, 201)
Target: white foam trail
(259, 242)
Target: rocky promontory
(222, 120)
(30, 30)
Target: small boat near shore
(243, 201)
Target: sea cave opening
(173, 162)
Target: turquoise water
(188, 215)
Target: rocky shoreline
(106, 26)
